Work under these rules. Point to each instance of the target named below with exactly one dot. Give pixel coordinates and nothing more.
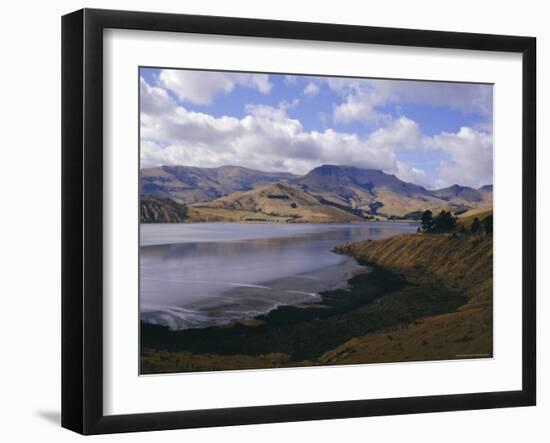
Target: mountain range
(188, 184)
(327, 193)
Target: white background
(30, 250)
(126, 393)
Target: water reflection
(218, 273)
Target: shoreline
(280, 324)
(267, 222)
(394, 313)
(288, 230)
(376, 300)
(305, 287)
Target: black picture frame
(82, 218)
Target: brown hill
(186, 184)
(466, 219)
(275, 202)
(351, 183)
(460, 193)
(360, 192)
(376, 192)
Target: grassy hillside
(274, 202)
(466, 219)
(397, 204)
(463, 263)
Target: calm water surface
(205, 274)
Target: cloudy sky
(431, 133)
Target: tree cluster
(443, 222)
(446, 222)
(486, 225)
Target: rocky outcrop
(161, 210)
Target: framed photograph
(269, 221)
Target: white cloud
(345, 86)
(291, 79)
(154, 100)
(363, 98)
(356, 108)
(201, 87)
(465, 97)
(401, 133)
(470, 157)
(311, 89)
(266, 138)
(360, 106)
(289, 104)
(411, 174)
(469, 153)
(360, 103)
